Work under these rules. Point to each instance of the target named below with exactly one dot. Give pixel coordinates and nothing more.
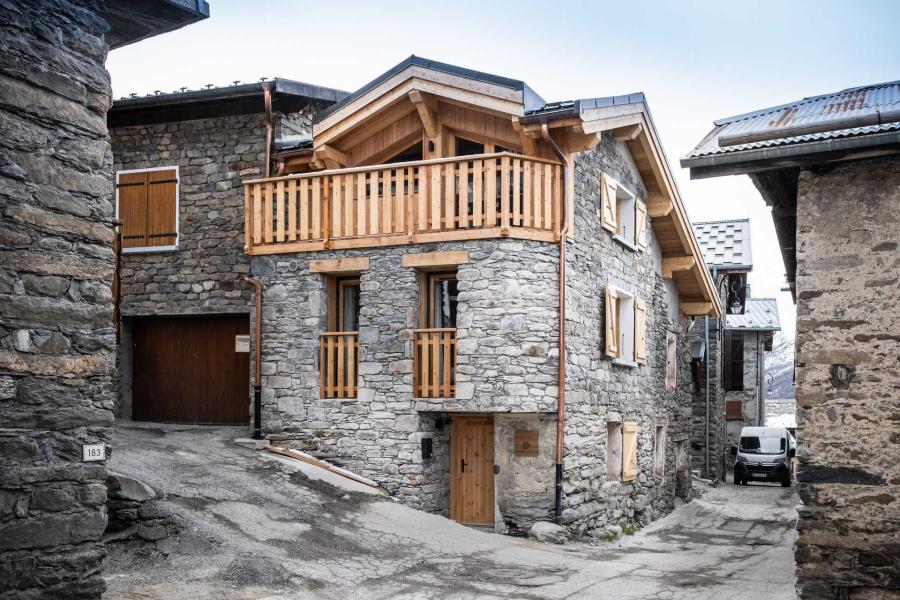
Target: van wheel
(786, 482)
(744, 481)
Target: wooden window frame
(634, 236)
(335, 299)
(625, 323)
(151, 249)
(659, 449)
(426, 309)
(728, 362)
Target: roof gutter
(561, 386)
(864, 120)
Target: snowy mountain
(780, 367)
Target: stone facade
(508, 360)
(57, 341)
(848, 268)
(754, 392)
(718, 446)
(205, 275)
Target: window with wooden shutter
(147, 206)
(608, 208)
(640, 331)
(612, 322)
(629, 451)
(640, 225)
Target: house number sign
(93, 452)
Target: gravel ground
(259, 526)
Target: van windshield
(762, 445)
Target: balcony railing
(434, 363)
(482, 196)
(338, 364)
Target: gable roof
(866, 111)
(760, 314)
(530, 98)
(725, 244)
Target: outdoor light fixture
(698, 349)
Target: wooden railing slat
(279, 212)
(338, 364)
(304, 209)
(434, 363)
(477, 190)
(504, 192)
(292, 210)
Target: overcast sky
(695, 61)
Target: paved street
(257, 527)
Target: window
(464, 147)
(626, 327)
(659, 450)
(147, 206)
(412, 153)
(613, 450)
(441, 300)
(671, 362)
(622, 214)
(343, 303)
(733, 362)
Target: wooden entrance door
(186, 370)
(472, 470)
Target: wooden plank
(267, 213)
(292, 210)
(353, 264)
(349, 208)
(436, 196)
(490, 192)
(248, 217)
(351, 365)
(446, 349)
(421, 199)
(676, 263)
(449, 196)
(549, 200)
(360, 205)
(516, 192)
(257, 214)
(340, 341)
(424, 260)
(279, 211)
(388, 202)
(537, 195)
(504, 192)
(528, 167)
(435, 365)
(373, 200)
(304, 209)
(477, 200)
(558, 200)
(316, 227)
(463, 194)
(337, 207)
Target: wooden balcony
(434, 363)
(338, 364)
(483, 196)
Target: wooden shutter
(148, 208)
(132, 189)
(640, 331)
(640, 225)
(608, 208)
(612, 323)
(733, 362)
(629, 451)
(734, 409)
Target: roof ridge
(807, 99)
(745, 219)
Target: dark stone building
(57, 338)
(829, 166)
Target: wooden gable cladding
(481, 126)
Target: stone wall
(718, 446)
(848, 341)
(56, 263)
(205, 275)
(600, 391)
(754, 358)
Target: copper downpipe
(561, 398)
(267, 100)
(257, 377)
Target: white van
(764, 454)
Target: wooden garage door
(185, 370)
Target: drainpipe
(267, 100)
(759, 397)
(561, 400)
(257, 379)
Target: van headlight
(742, 459)
(780, 460)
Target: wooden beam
(340, 265)
(331, 157)
(423, 260)
(697, 308)
(676, 263)
(658, 205)
(427, 112)
(628, 133)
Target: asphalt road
(258, 526)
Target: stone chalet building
(829, 166)
(406, 239)
(57, 339)
(737, 369)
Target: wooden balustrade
(338, 364)
(487, 195)
(434, 363)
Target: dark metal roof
(287, 96)
(530, 97)
(134, 20)
(583, 104)
(725, 244)
(875, 108)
